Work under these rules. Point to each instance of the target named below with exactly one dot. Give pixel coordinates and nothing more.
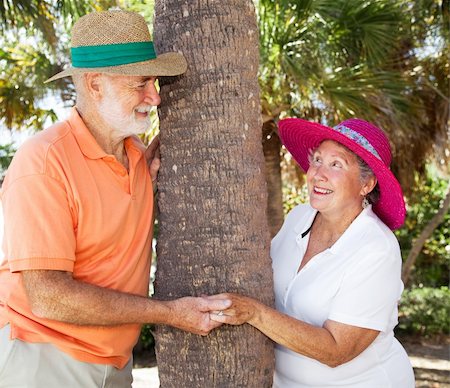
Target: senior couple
(74, 280)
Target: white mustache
(144, 109)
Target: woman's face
(333, 177)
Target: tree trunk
(419, 242)
(272, 156)
(213, 234)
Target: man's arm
(56, 295)
(153, 158)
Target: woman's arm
(333, 344)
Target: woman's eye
(336, 164)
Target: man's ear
(94, 84)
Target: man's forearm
(56, 295)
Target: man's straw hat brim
(168, 64)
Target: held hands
(153, 158)
(242, 310)
(202, 314)
(193, 314)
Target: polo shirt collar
(354, 232)
(306, 220)
(134, 143)
(88, 145)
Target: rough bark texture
(213, 234)
(420, 241)
(272, 156)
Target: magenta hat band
(358, 138)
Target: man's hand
(153, 158)
(192, 314)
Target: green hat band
(112, 54)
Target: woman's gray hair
(366, 173)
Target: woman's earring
(365, 203)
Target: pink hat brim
(300, 136)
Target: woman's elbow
(338, 360)
(333, 357)
(334, 363)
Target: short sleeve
(38, 224)
(370, 291)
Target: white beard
(111, 111)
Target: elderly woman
(336, 265)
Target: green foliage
(41, 14)
(6, 155)
(146, 338)
(34, 47)
(318, 58)
(22, 67)
(433, 263)
(146, 8)
(425, 311)
(293, 196)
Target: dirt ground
(429, 357)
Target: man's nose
(151, 96)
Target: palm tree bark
(272, 157)
(419, 242)
(213, 234)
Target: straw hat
(365, 140)
(118, 42)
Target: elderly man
(77, 204)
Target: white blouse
(356, 282)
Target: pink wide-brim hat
(365, 140)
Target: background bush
(425, 311)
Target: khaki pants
(39, 365)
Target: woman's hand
(242, 309)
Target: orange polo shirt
(69, 206)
